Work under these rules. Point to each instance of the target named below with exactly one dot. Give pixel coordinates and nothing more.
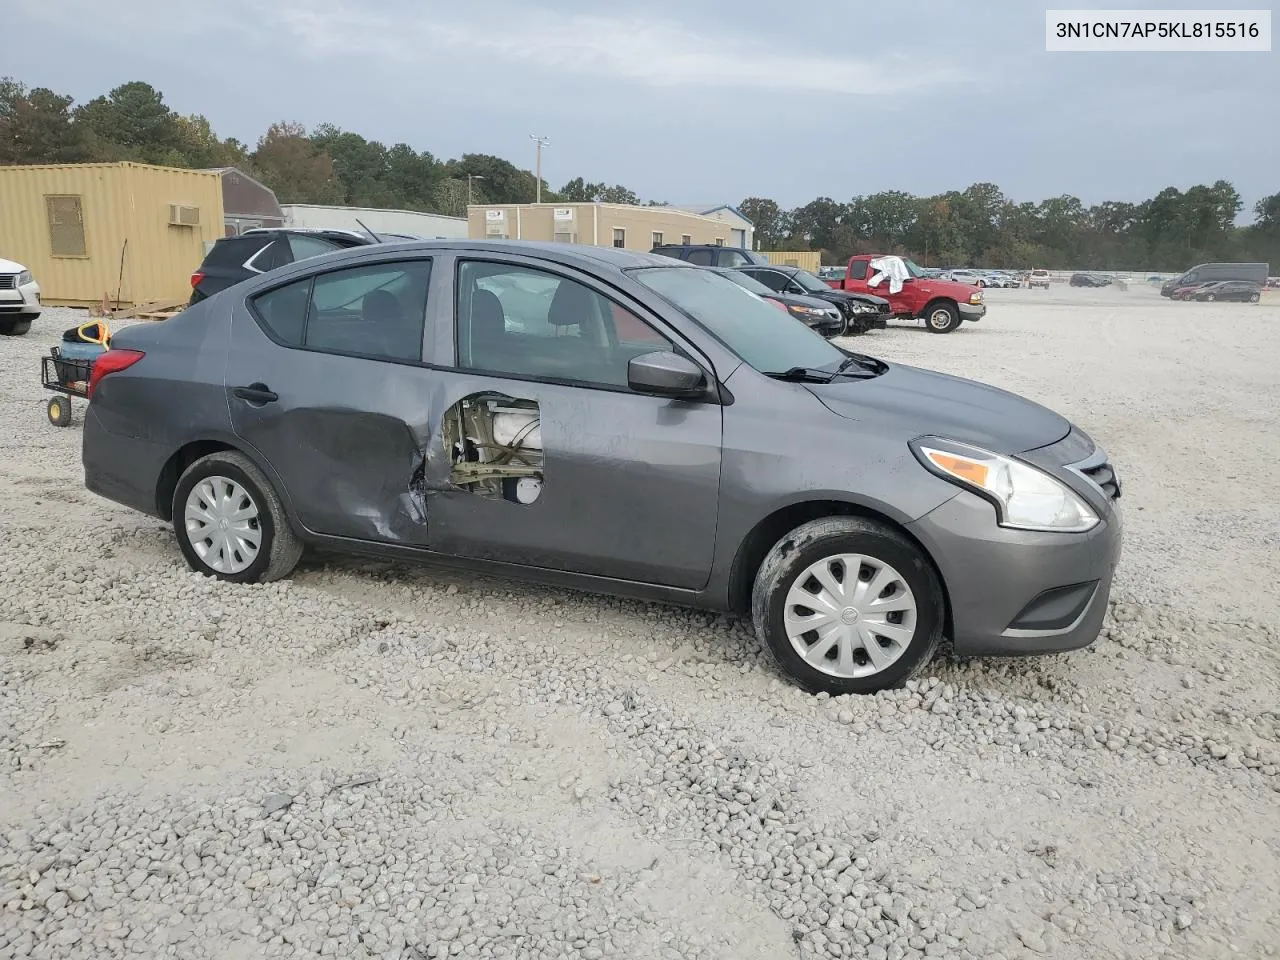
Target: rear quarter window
(234, 251)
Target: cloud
(647, 51)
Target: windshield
(810, 282)
(762, 336)
(912, 268)
(748, 283)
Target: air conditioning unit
(180, 215)
(562, 237)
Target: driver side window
(532, 323)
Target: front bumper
(22, 303)
(1016, 592)
(972, 311)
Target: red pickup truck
(942, 304)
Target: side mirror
(666, 374)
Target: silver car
(617, 422)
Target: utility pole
(470, 177)
(541, 142)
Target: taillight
(780, 305)
(113, 361)
(196, 279)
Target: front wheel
(1210, 298)
(848, 605)
(230, 522)
(942, 318)
(15, 328)
(1255, 297)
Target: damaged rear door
(324, 380)
(544, 456)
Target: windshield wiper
(801, 375)
(871, 364)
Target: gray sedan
(617, 422)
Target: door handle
(256, 393)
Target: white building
(428, 226)
(742, 232)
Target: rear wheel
(58, 410)
(1255, 297)
(848, 605)
(1211, 298)
(230, 521)
(941, 318)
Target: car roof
(583, 255)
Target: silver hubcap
(940, 318)
(850, 616)
(223, 525)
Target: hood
(837, 295)
(960, 292)
(795, 299)
(916, 402)
(10, 266)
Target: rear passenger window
(375, 311)
(702, 258)
(371, 311)
(732, 258)
(283, 311)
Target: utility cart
(68, 367)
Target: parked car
(261, 249)
(823, 317)
(942, 304)
(855, 509)
(1089, 280)
(1186, 292)
(997, 279)
(709, 254)
(1038, 278)
(862, 311)
(1272, 283)
(1241, 291)
(19, 299)
(1205, 272)
(830, 273)
(968, 277)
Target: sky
(697, 101)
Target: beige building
(597, 224)
(130, 232)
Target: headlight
(25, 277)
(975, 298)
(864, 308)
(807, 311)
(1025, 497)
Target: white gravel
(373, 760)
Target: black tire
(15, 328)
(1255, 297)
(1210, 298)
(829, 536)
(941, 317)
(58, 410)
(279, 549)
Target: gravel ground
(373, 760)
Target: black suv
(862, 311)
(233, 259)
(709, 254)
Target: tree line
(977, 226)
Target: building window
(619, 237)
(657, 238)
(66, 226)
(686, 238)
(719, 241)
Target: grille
(8, 281)
(1105, 476)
